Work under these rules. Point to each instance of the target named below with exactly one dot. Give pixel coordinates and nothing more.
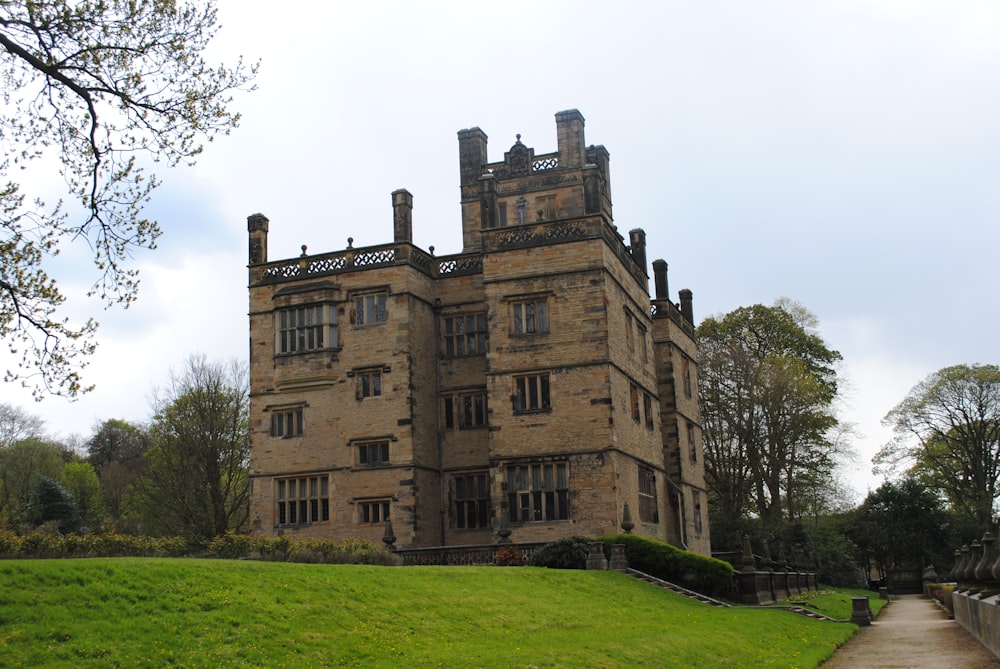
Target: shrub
(568, 553)
(690, 570)
(509, 556)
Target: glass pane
(529, 318)
(544, 379)
(376, 384)
(517, 320)
(281, 490)
(543, 317)
(381, 307)
(532, 393)
(359, 309)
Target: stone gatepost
(618, 561)
(861, 613)
(596, 559)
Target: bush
(690, 570)
(568, 553)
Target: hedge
(702, 574)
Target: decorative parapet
(557, 232)
(667, 309)
(478, 554)
(349, 260)
(542, 163)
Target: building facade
(527, 383)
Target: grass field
(216, 613)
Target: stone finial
(389, 538)
(402, 216)
(627, 523)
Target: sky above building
(842, 154)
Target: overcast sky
(842, 154)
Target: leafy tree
(81, 481)
(21, 465)
(52, 503)
(196, 484)
(93, 89)
(16, 424)
(116, 450)
(902, 525)
(767, 385)
(947, 431)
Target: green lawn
(218, 613)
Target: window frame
(319, 330)
(368, 382)
(543, 487)
(458, 341)
(287, 422)
(466, 410)
(375, 453)
(382, 508)
(539, 316)
(532, 393)
(379, 308)
(311, 500)
(649, 509)
(470, 511)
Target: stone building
(527, 382)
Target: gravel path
(913, 632)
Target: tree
(21, 465)
(16, 424)
(81, 481)
(96, 87)
(196, 484)
(52, 503)
(116, 450)
(767, 384)
(901, 526)
(947, 431)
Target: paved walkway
(912, 632)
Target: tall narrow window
(647, 405)
(643, 343)
(370, 309)
(696, 511)
(692, 449)
(634, 401)
(629, 342)
(686, 372)
(471, 501)
(532, 393)
(538, 492)
(648, 506)
(530, 317)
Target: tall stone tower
(527, 384)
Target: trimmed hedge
(568, 553)
(230, 546)
(706, 575)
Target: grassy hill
(218, 613)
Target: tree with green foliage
(947, 433)
(767, 385)
(52, 503)
(94, 90)
(116, 450)
(80, 480)
(901, 525)
(21, 465)
(196, 483)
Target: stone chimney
(257, 227)
(637, 238)
(660, 279)
(569, 132)
(686, 308)
(402, 215)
